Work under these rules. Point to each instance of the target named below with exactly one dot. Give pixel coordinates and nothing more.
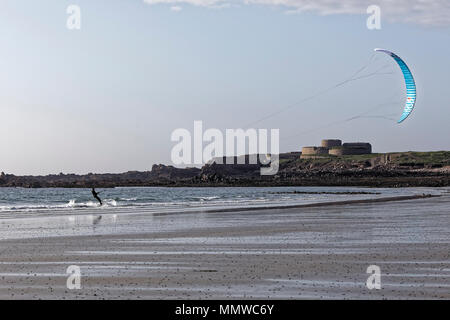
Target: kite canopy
(410, 85)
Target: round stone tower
(329, 143)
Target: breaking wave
(72, 204)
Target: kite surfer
(95, 194)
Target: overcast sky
(106, 98)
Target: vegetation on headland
(398, 169)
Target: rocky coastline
(407, 169)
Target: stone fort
(335, 147)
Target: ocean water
(15, 202)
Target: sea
(24, 202)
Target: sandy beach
(284, 253)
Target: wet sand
(304, 252)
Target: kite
(410, 84)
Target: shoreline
(327, 203)
(425, 181)
(89, 211)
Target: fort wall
(312, 152)
(335, 147)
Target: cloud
(176, 8)
(422, 12)
(199, 3)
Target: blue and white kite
(410, 85)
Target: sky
(106, 97)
